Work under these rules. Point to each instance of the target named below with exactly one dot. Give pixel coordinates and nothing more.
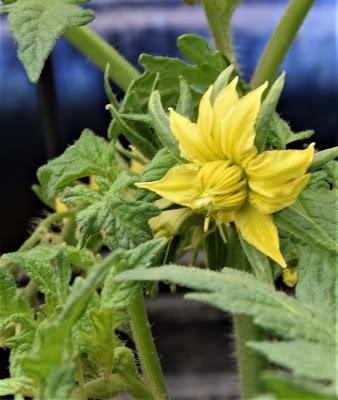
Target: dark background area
(134, 26)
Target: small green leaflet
(124, 221)
(267, 111)
(318, 280)
(314, 225)
(117, 294)
(10, 302)
(10, 386)
(61, 382)
(89, 155)
(37, 24)
(312, 360)
(39, 262)
(242, 293)
(281, 135)
(286, 387)
(155, 170)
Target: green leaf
(323, 157)
(331, 169)
(154, 171)
(281, 135)
(314, 225)
(134, 136)
(89, 155)
(124, 221)
(37, 264)
(267, 111)
(317, 280)
(61, 382)
(99, 341)
(48, 352)
(10, 386)
(48, 267)
(161, 126)
(37, 24)
(117, 294)
(185, 99)
(301, 357)
(260, 264)
(242, 293)
(285, 387)
(82, 292)
(80, 193)
(10, 302)
(221, 81)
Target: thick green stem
(250, 364)
(145, 347)
(281, 40)
(101, 53)
(219, 23)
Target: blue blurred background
(309, 100)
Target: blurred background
(309, 101)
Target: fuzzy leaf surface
(89, 155)
(242, 293)
(313, 224)
(301, 357)
(318, 280)
(37, 24)
(117, 294)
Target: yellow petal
(177, 185)
(222, 186)
(205, 115)
(227, 97)
(260, 231)
(237, 133)
(277, 177)
(288, 194)
(191, 143)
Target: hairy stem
(282, 38)
(146, 349)
(101, 53)
(250, 364)
(50, 220)
(112, 385)
(220, 27)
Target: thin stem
(51, 219)
(114, 384)
(101, 53)
(219, 23)
(282, 38)
(145, 346)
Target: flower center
(222, 186)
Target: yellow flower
(225, 177)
